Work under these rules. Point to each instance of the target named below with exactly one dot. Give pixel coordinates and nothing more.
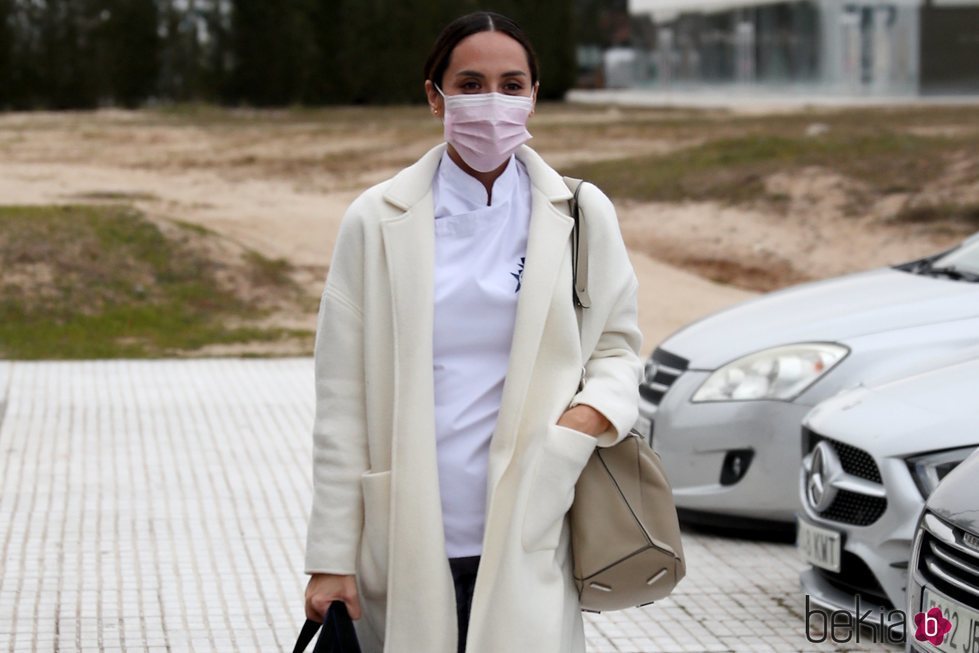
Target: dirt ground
(279, 182)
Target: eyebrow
(479, 75)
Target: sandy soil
(279, 184)
(811, 238)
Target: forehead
(489, 53)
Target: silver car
(944, 569)
(872, 455)
(724, 396)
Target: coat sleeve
(340, 453)
(614, 369)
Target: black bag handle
(338, 634)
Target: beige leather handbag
(625, 535)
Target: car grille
(855, 461)
(850, 507)
(668, 368)
(952, 569)
(857, 509)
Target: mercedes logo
(824, 468)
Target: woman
(457, 399)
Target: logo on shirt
(518, 275)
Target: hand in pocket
(562, 456)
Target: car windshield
(965, 258)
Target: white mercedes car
(872, 456)
(723, 397)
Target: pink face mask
(486, 128)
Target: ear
(534, 96)
(435, 102)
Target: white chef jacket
(479, 257)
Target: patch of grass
(966, 215)
(194, 227)
(269, 271)
(101, 281)
(734, 169)
(112, 195)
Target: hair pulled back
(460, 28)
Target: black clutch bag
(338, 634)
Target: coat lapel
(547, 242)
(420, 589)
(409, 250)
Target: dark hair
(460, 28)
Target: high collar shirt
(479, 260)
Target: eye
(513, 87)
(470, 86)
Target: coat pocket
(374, 542)
(560, 459)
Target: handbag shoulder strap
(579, 246)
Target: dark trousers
(464, 575)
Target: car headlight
(929, 469)
(777, 373)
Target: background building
(849, 47)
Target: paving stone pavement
(161, 505)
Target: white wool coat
(376, 509)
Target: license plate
(964, 635)
(819, 546)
